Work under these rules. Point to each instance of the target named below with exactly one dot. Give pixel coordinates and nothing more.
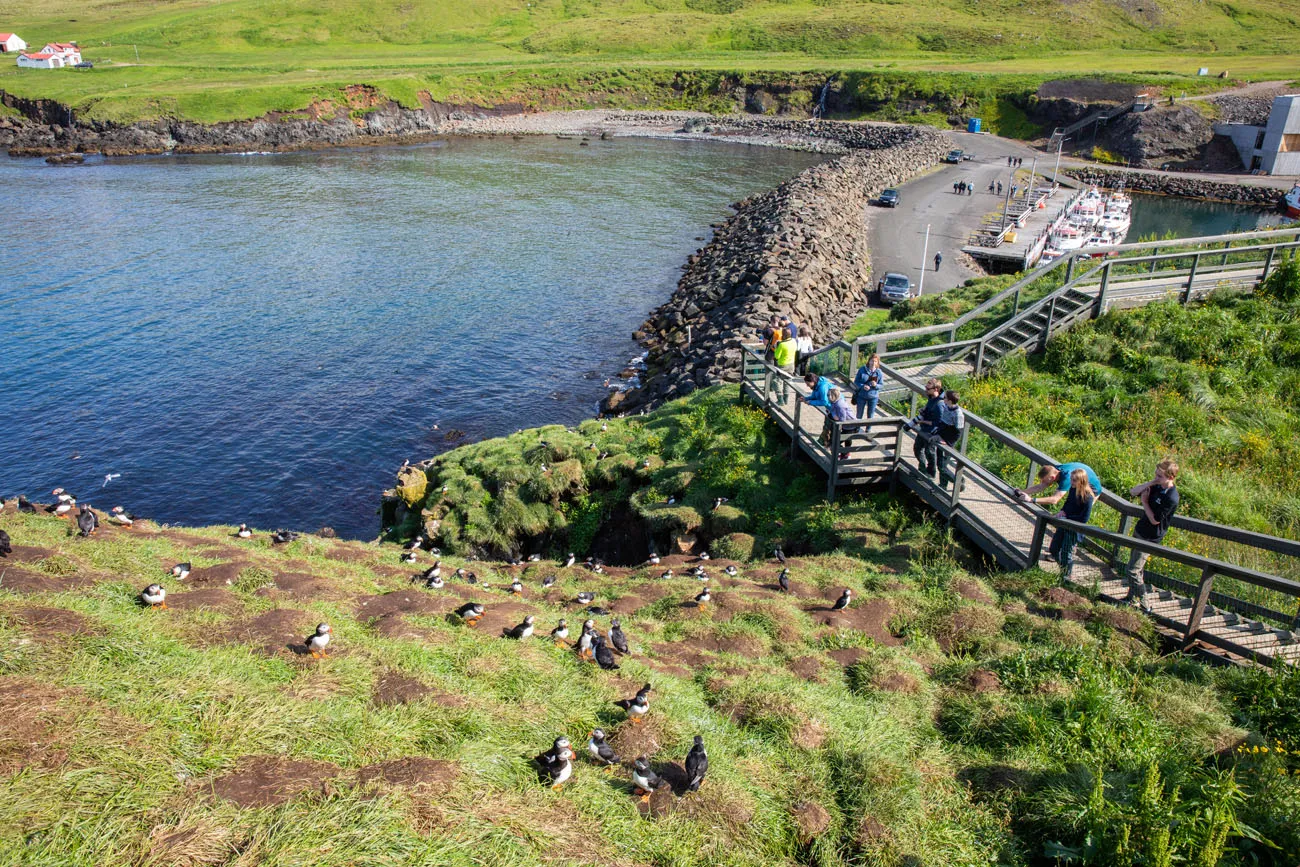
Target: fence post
(1268, 263)
(1224, 260)
(1015, 304)
(958, 476)
(898, 446)
(1155, 251)
(853, 361)
(1036, 544)
(1126, 523)
(1198, 606)
(1047, 326)
(1033, 471)
(979, 357)
(767, 387)
(1069, 269)
(794, 429)
(834, 475)
(1191, 278)
(1100, 307)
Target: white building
(1273, 148)
(11, 44)
(40, 60)
(69, 51)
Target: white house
(69, 51)
(40, 60)
(11, 44)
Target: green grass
(212, 61)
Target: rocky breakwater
(1179, 185)
(799, 249)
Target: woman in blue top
(866, 386)
(1078, 507)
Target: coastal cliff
(800, 249)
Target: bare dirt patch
(896, 681)
(1124, 620)
(982, 680)
(646, 738)
(52, 622)
(847, 656)
(299, 586)
(812, 819)
(272, 632)
(394, 688)
(221, 575)
(1061, 603)
(207, 599)
(31, 715)
(967, 589)
(356, 554)
(416, 773)
(870, 617)
(264, 781)
(808, 668)
(25, 581)
(399, 602)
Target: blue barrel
(973, 125)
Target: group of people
(1014, 162)
(940, 421)
(963, 188)
(784, 347)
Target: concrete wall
(1244, 136)
(1283, 121)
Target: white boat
(1293, 202)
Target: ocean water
(266, 338)
(1156, 216)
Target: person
(938, 260)
(838, 410)
(1058, 476)
(1009, 162)
(770, 338)
(789, 325)
(783, 357)
(954, 187)
(999, 188)
(927, 429)
(1159, 499)
(970, 189)
(991, 183)
(866, 386)
(952, 418)
(820, 390)
(1078, 507)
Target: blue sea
(265, 338)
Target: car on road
(85, 64)
(895, 287)
(954, 156)
(889, 198)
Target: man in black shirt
(1159, 498)
(926, 447)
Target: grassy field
(216, 61)
(945, 718)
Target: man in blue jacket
(926, 447)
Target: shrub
(734, 546)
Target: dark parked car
(889, 198)
(894, 288)
(85, 64)
(953, 157)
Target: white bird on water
(108, 477)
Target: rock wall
(799, 249)
(1174, 185)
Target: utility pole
(137, 53)
(925, 257)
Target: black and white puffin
(571, 560)
(435, 582)
(6, 544)
(732, 571)
(434, 571)
(548, 581)
(637, 706)
(534, 558)
(154, 596)
(697, 765)
(283, 537)
(318, 641)
(517, 587)
(585, 597)
(415, 544)
(616, 637)
(25, 505)
(604, 426)
(521, 631)
(843, 602)
(601, 751)
(63, 508)
(119, 516)
(560, 634)
(87, 521)
(461, 573)
(557, 762)
(704, 555)
(702, 598)
(470, 612)
(666, 574)
(784, 580)
(654, 559)
(718, 502)
(779, 555)
(410, 557)
(604, 656)
(243, 532)
(585, 639)
(62, 496)
(181, 571)
(645, 780)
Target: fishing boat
(1293, 202)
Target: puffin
(843, 602)
(62, 496)
(534, 558)
(6, 545)
(283, 537)
(732, 571)
(654, 559)
(118, 515)
(435, 582)
(779, 555)
(604, 426)
(87, 521)
(516, 587)
(666, 574)
(702, 598)
(410, 557)
(318, 641)
(570, 561)
(784, 580)
(461, 573)
(718, 502)
(586, 597)
(470, 612)
(645, 780)
(414, 544)
(63, 508)
(243, 532)
(181, 571)
(637, 706)
(697, 765)
(585, 639)
(604, 656)
(560, 633)
(520, 632)
(25, 505)
(704, 555)
(616, 637)
(434, 571)
(602, 752)
(154, 596)
(557, 762)
(548, 581)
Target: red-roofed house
(67, 50)
(10, 43)
(55, 55)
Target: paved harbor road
(897, 235)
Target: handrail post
(898, 446)
(1268, 263)
(1015, 303)
(767, 387)
(794, 429)
(1036, 544)
(979, 357)
(833, 478)
(1126, 523)
(1033, 470)
(1198, 606)
(1069, 268)
(1155, 259)
(1047, 326)
(1100, 306)
(853, 360)
(1224, 260)
(1191, 278)
(958, 475)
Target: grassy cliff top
(211, 60)
(944, 718)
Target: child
(1159, 498)
(1078, 507)
(952, 418)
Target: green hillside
(215, 60)
(944, 718)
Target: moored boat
(1292, 200)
